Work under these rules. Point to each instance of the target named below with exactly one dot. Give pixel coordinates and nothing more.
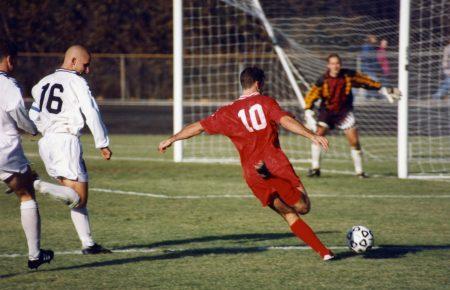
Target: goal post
(177, 76)
(402, 141)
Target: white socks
(31, 223)
(357, 161)
(64, 193)
(80, 219)
(315, 156)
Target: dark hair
(332, 55)
(250, 75)
(7, 48)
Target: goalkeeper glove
(311, 122)
(392, 94)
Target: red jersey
(251, 122)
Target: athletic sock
(31, 223)
(80, 219)
(357, 161)
(315, 156)
(306, 234)
(60, 192)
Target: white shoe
(328, 257)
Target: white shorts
(63, 156)
(346, 123)
(4, 175)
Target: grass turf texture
(219, 243)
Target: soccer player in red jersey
(251, 122)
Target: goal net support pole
(402, 143)
(280, 53)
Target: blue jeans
(443, 89)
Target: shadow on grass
(238, 238)
(383, 252)
(391, 251)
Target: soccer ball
(360, 239)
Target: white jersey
(61, 99)
(13, 115)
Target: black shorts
(342, 120)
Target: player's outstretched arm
(296, 127)
(189, 131)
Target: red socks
(306, 234)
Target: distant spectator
(383, 61)
(369, 62)
(444, 87)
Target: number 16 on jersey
(51, 98)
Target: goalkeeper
(334, 89)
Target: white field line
(164, 196)
(146, 159)
(165, 250)
(236, 162)
(267, 248)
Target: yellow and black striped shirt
(336, 92)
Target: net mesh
(223, 37)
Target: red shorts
(284, 183)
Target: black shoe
(362, 175)
(313, 173)
(262, 170)
(45, 256)
(95, 249)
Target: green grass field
(216, 242)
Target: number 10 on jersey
(255, 112)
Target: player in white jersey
(14, 167)
(62, 101)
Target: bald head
(77, 58)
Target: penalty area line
(212, 196)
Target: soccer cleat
(313, 173)
(45, 256)
(328, 257)
(262, 170)
(95, 249)
(362, 175)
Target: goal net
(429, 103)
(221, 37)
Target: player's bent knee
(302, 207)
